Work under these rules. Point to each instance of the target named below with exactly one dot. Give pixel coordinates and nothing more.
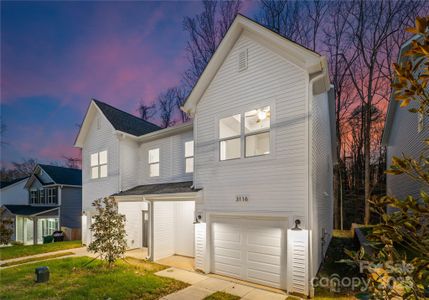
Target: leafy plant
(399, 266)
(108, 229)
(6, 227)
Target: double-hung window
(255, 134)
(42, 196)
(33, 196)
(52, 195)
(99, 164)
(230, 137)
(257, 131)
(189, 157)
(153, 160)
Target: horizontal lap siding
(277, 182)
(129, 159)
(172, 159)
(99, 140)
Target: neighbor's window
(99, 165)
(52, 196)
(33, 196)
(42, 196)
(230, 137)
(257, 131)
(153, 162)
(189, 157)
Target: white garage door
(250, 249)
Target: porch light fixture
(197, 219)
(297, 223)
(262, 115)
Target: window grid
(189, 157)
(98, 163)
(153, 161)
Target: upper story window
(255, 134)
(189, 157)
(153, 160)
(44, 196)
(99, 164)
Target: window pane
(190, 165)
(258, 144)
(103, 171)
(154, 170)
(257, 119)
(103, 157)
(154, 155)
(94, 172)
(94, 159)
(230, 149)
(230, 126)
(189, 149)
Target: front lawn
(20, 251)
(221, 296)
(71, 278)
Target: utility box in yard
(41, 274)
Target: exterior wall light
(297, 223)
(197, 219)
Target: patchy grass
(20, 250)
(39, 258)
(342, 233)
(332, 268)
(221, 296)
(73, 278)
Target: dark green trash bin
(41, 274)
(48, 239)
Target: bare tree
(146, 111)
(206, 30)
(167, 104)
(180, 101)
(372, 24)
(72, 162)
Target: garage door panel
(264, 277)
(249, 249)
(264, 258)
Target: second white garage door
(250, 249)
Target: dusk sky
(56, 56)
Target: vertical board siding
(95, 141)
(278, 181)
(171, 160)
(71, 207)
(322, 174)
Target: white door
(250, 249)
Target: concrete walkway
(203, 286)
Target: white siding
(297, 261)
(171, 160)
(404, 139)
(322, 175)
(14, 194)
(277, 182)
(200, 246)
(133, 221)
(129, 159)
(95, 141)
(173, 228)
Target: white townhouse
(229, 187)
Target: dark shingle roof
(62, 175)
(160, 188)
(126, 122)
(27, 210)
(4, 184)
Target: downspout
(322, 74)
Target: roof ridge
(122, 111)
(69, 168)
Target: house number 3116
(241, 199)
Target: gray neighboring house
(404, 133)
(53, 202)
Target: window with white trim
(42, 197)
(153, 160)
(52, 195)
(255, 134)
(33, 197)
(99, 164)
(189, 157)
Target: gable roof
(62, 175)
(4, 184)
(393, 104)
(124, 121)
(297, 54)
(120, 121)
